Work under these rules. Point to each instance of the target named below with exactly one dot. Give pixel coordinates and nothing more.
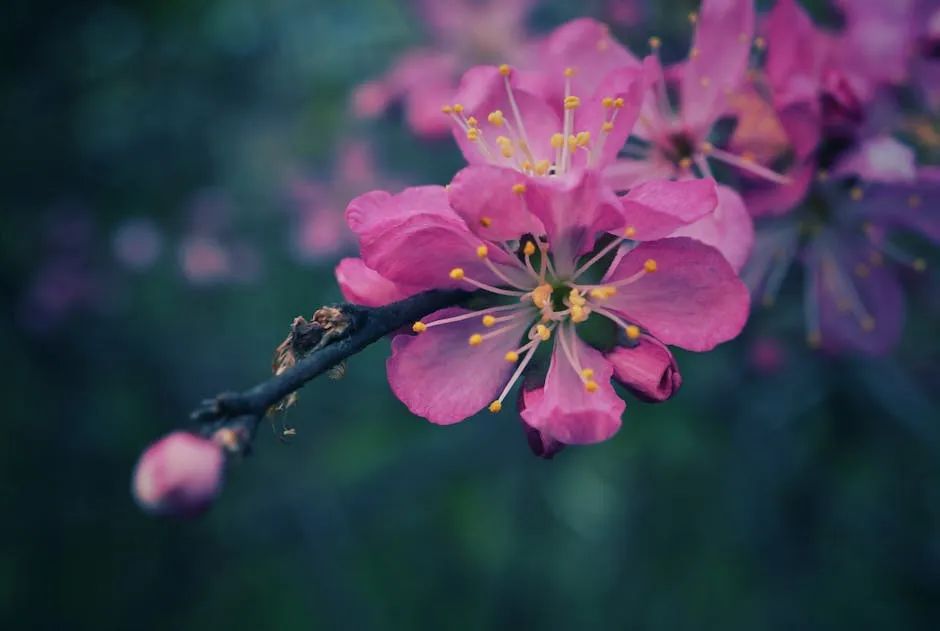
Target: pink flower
(179, 475)
(463, 32)
(528, 245)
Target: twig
(313, 348)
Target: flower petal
(648, 369)
(440, 377)
(729, 229)
(565, 410)
(484, 197)
(626, 173)
(694, 300)
(657, 209)
(362, 285)
(723, 40)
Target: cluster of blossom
(590, 228)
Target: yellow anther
(587, 373)
(473, 134)
(583, 138)
(575, 298)
(650, 265)
(529, 249)
(591, 386)
(495, 407)
(707, 147)
(456, 273)
(505, 70)
(526, 166)
(543, 332)
(618, 102)
(496, 118)
(506, 151)
(473, 122)
(693, 17)
(486, 222)
(542, 167)
(629, 232)
(447, 109)
(694, 53)
(632, 331)
(760, 43)
(705, 81)
(579, 314)
(867, 323)
(502, 140)
(607, 127)
(518, 189)
(419, 327)
(558, 140)
(476, 339)
(458, 108)
(572, 102)
(569, 72)
(607, 101)
(512, 357)
(603, 293)
(488, 320)
(482, 251)
(749, 157)
(685, 163)
(856, 193)
(542, 295)
(914, 201)
(572, 142)
(919, 265)
(655, 43)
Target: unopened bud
(179, 475)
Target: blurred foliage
(805, 498)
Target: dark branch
(313, 348)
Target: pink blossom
(536, 249)
(179, 475)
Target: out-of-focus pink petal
(909, 206)
(564, 409)
(693, 300)
(722, 45)
(574, 210)
(423, 109)
(882, 159)
(648, 369)
(362, 285)
(484, 197)
(763, 198)
(659, 208)
(440, 377)
(729, 229)
(370, 99)
(795, 54)
(179, 475)
(625, 174)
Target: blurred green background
(802, 497)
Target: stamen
(632, 331)
(748, 165)
(630, 231)
(517, 115)
(497, 405)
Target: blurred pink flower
(179, 475)
(463, 32)
(209, 253)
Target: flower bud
(179, 475)
(541, 444)
(648, 369)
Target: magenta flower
(464, 32)
(179, 475)
(528, 246)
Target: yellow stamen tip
(488, 321)
(655, 43)
(685, 163)
(569, 72)
(919, 265)
(607, 127)
(587, 373)
(707, 147)
(542, 167)
(693, 17)
(496, 118)
(814, 340)
(867, 324)
(760, 43)
(607, 101)
(512, 357)
(529, 248)
(495, 407)
(476, 339)
(473, 122)
(618, 102)
(419, 327)
(632, 331)
(458, 108)
(505, 70)
(543, 332)
(486, 222)
(482, 251)
(591, 386)
(856, 193)
(518, 189)
(447, 109)
(650, 265)
(572, 102)
(583, 138)
(630, 231)
(473, 134)
(557, 140)
(456, 273)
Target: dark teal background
(805, 499)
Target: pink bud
(179, 475)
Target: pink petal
(362, 285)
(423, 109)
(484, 197)
(624, 174)
(179, 475)
(647, 369)
(795, 54)
(729, 229)
(573, 209)
(723, 39)
(440, 377)
(763, 198)
(564, 410)
(693, 300)
(659, 208)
